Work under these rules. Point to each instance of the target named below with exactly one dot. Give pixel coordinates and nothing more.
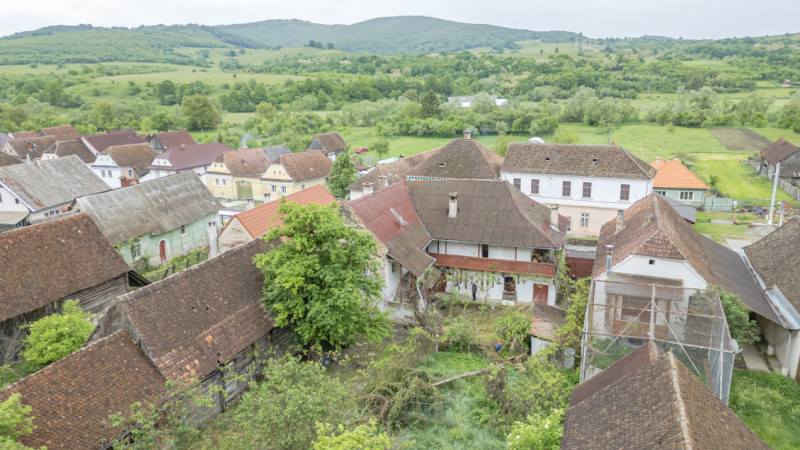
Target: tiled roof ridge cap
(683, 420)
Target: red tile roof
(495, 265)
(174, 139)
(674, 175)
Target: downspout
(585, 333)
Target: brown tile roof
(73, 147)
(246, 162)
(775, 257)
(331, 142)
(61, 132)
(47, 262)
(31, 146)
(191, 156)
(306, 165)
(778, 151)
(658, 404)
(489, 212)
(393, 171)
(174, 139)
(100, 142)
(674, 175)
(262, 218)
(196, 319)
(653, 228)
(72, 398)
(405, 241)
(138, 156)
(571, 159)
(461, 158)
(22, 134)
(8, 160)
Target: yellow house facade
(292, 173)
(237, 174)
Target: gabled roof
(406, 240)
(689, 213)
(201, 317)
(674, 175)
(461, 158)
(47, 183)
(100, 142)
(191, 156)
(651, 227)
(47, 262)
(657, 404)
(138, 156)
(489, 212)
(246, 162)
(32, 147)
(61, 132)
(174, 139)
(8, 160)
(153, 207)
(306, 165)
(75, 147)
(778, 151)
(775, 257)
(22, 134)
(72, 398)
(393, 171)
(330, 142)
(262, 218)
(274, 152)
(610, 161)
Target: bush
(363, 436)
(538, 431)
(461, 334)
(56, 336)
(514, 326)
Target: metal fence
(718, 204)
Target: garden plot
(740, 139)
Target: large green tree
(200, 113)
(321, 280)
(342, 174)
(430, 105)
(56, 336)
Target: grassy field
(770, 405)
(719, 232)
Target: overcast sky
(695, 19)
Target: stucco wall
(787, 346)
(177, 243)
(490, 285)
(698, 195)
(233, 235)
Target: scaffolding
(625, 311)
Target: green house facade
(691, 197)
(159, 248)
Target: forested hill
(394, 35)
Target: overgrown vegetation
(57, 335)
(769, 404)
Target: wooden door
(540, 293)
(162, 250)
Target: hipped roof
(100, 142)
(674, 175)
(610, 161)
(191, 156)
(61, 132)
(138, 156)
(461, 158)
(306, 165)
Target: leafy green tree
(430, 105)
(501, 144)
(741, 327)
(15, 421)
(266, 111)
(363, 437)
(790, 114)
(381, 147)
(342, 174)
(16, 114)
(566, 136)
(482, 103)
(200, 113)
(159, 121)
(321, 280)
(544, 125)
(56, 336)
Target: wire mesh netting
(626, 311)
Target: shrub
(56, 336)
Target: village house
(773, 261)
(784, 153)
(255, 222)
(198, 323)
(61, 132)
(71, 399)
(331, 144)
(233, 173)
(589, 183)
(122, 165)
(651, 399)
(161, 142)
(466, 101)
(41, 189)
(196, 158)
(674, 180)
(70, 147)
(98, 143)
(292, 173)
(156, 220)
(46, 264)
(29, 148)
(384, 175)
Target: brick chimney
(452, 210)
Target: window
(664, 193)
(130, 172)
(587, 190)
(274, 188)
(283, 189)
(394, 268)
(183, 230)
(569, 224)
(687, 195)
(302, 186)
(518, 183)
(624, 191)
(584, 220)
(216, 181)
(484, 250)
(566, 187)
(224, 182)
(136, 250)
(534, 186)
(16, 200)
(652, 262)
(103, 173)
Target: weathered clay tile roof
(191, 322)
(461, 158)
(8, 160)
(32, 147)
(775, 257)
(262, 218)
(191, 156)
(406, 240)
(651, 227)
(393, 171)
(247, 162)
(22, 134)
(306, 165)
(61, 132)
(489, 212)
(153, 207)
(72, 147)
(274, 152)
(610, 161)
(174, 139)
(47, 183)
(659, 404)
(100, 142)
(138, 156)
(330, 142)
(72, 398)
(47, 262)
(778, 151)
(674, 175)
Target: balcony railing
(495, 265)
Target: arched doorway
(162, 251)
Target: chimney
(658, 159)
(213, 249)
(382, 181)
(398, 216)
(29, 157)
(554, 217)
(467, 134)
(251, 203)
(620, 218)
(609, 250)
(452, 211)
(366, 188)
(183, 146)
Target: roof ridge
(683, 419)
(631, 156)
(514, 198)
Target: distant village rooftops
(306, 165)
(61, 132)
(98, 143)
(460, 158)
(68, 147)
(610, 161)
(275, 151)
(190, 156)
(778, 151)
(246, 162)
(138, 156)
(29, 148)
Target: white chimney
(554, 217)
(251, 203)
(620, 218)
(452, 211)
(213, 248)
(609, 250)
(366, 188)
(382, 181)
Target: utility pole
(774, 191)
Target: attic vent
(594, 160)
(547, 159)
(441, 164)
